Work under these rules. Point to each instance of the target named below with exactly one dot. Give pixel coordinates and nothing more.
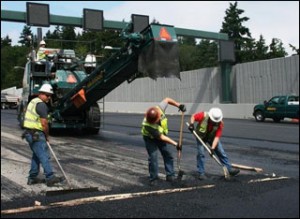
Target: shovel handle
(60, 167)
(181, 128)
(180, 141)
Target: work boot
(53, 180)
(32, 181)
(233, 171)
(170, 178)
(153, 182)
(202, 177)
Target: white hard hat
(42, 42)
(46, 88)
(215, 114)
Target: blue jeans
(201, 157)
(40, 155)
(152, 145)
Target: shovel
(180, 172)
(225, 170)
(71, 188)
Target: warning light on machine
(164, 34)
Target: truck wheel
(259, 117)
(93, 120)
(3, 106)
(21, 115)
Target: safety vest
(32, 119)
(202, 129)
(162, 127)
(41, 54)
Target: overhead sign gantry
(39, 15)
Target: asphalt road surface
(115, 162)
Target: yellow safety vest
(41, 54)
(32, 119)
(162, 127)
(202, 129)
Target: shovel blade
(226, 173)
(180, 175)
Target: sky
(272, 19)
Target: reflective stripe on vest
(162, 128)
(32, 119)
(202, 129)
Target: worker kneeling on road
(209, 129)
(37, 136)
(154, 131)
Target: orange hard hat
(152, 115)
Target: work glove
(191, 127)
(182, 108)
(179, 147)
(212, 151)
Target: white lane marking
(268, 179)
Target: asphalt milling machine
(152, 52)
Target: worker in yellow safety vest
(154, 131)
(209, 128)
(41, 54)
(37, 135)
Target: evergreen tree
(188, 41)
(26, 36)
(207, 54)
(233, 26)
(10, 57)
(68, 33)
(187, 57)
(261, 52)
(276, 49)
(53, 39)
(247, 52)
(294, 49)
(5, 41)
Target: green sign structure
(23, 17)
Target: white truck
(9, 101)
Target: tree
(233, 26)
(10, 57)
(261, 49)
(187, 40)
(68, 33)
(53, 39)
(24, 38)
(294, 49)
(207, 54)
(5, 41)
(187, 57)
(276, 49)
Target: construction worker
(209, 129)
(37, 136)
(41, 55)
(154, 131)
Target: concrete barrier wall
(201, 89)
(234, 111)
(258, 81)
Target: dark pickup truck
(277, 108)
